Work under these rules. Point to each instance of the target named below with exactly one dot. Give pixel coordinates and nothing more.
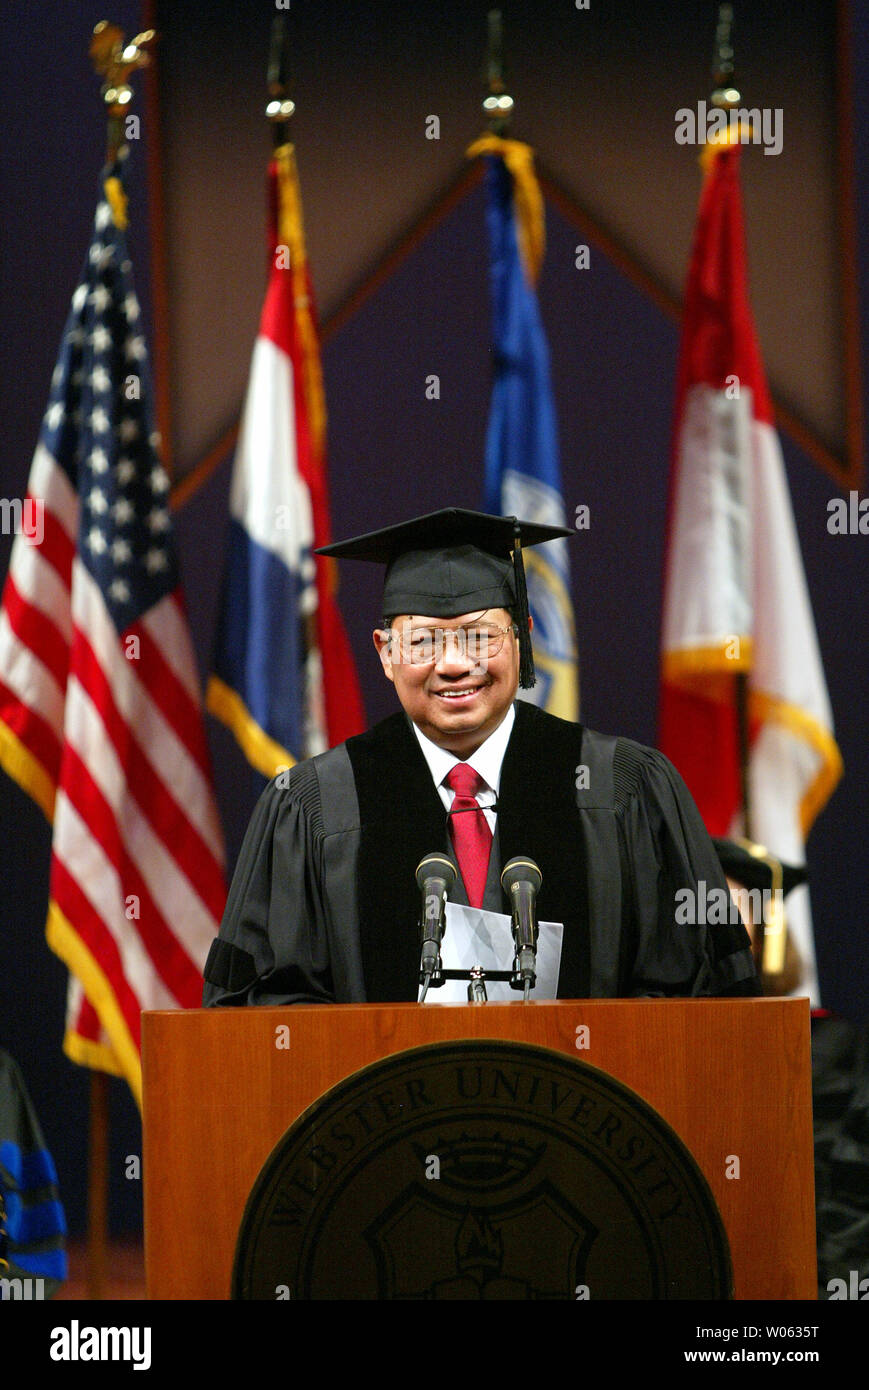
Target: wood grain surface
(732, 1077)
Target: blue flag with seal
(523, 471)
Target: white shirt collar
(486, 761)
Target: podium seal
(481, 1170)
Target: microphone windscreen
(521, 871)
(436, 864)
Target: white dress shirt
(486, 762)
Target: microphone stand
(521, 881)
(477, 987)
(435, 877)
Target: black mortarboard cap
(753, 870)
(452, 562)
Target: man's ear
(383, 642)
(530, 623)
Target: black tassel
(527, 678)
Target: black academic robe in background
(324, 904)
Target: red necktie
(470, 830)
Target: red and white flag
(735, 595)
(100, 712)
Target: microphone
(435, 877)
(521, 880)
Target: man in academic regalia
(324, 904)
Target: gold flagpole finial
(498, 104)
(280, 108)
(115, 61)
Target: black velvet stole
(538, 818)
(403, 819)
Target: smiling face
(454, 700)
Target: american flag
(100, 712)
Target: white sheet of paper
(475, 937)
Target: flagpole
(280, 108)
(114, 60)
(726, 95)
(98, 1185)
(743, 745)
(498, 105)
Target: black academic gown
(324, 905)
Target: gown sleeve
(667, 850)
(273, 945)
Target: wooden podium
(731, 1077)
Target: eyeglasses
(420, 646)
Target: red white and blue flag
(283, 678)
(736, 598)
(100, 713)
